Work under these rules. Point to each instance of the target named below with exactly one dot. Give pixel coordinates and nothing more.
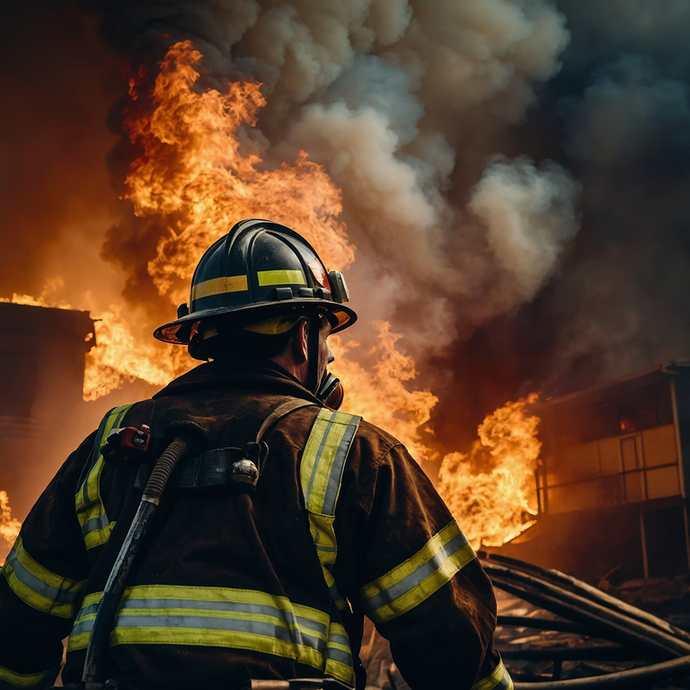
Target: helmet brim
(179, 332)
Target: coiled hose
(181, 447)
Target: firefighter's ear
(299, 343)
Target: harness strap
(321, 474)
(281, 411)
(95, 526)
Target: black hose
(602, 652)
(676, 668)
(601, 627)
(543, 624)
(653, 633)
(117, 580)
(592, 593)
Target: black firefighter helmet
(257, 270)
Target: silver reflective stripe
(339, 639)
(498, 679)
(344, 656)
(59, 596)
(335, 594)
(413, 579)
(506, 683)
(211, 623)
(333, 488)
(225, 606)
(296, 630)
(95, 524)
(318, 457)
(88, 610)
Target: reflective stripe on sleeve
(95, 525)
(220, 617)
(9, 680)
(39, 587)
(321, 473)
(416, 579)
(498, 680)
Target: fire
(9, 526)
(198, 170)
(196, 175)
(378, 392)
(491, 490)
(47, 298)
(118, 357)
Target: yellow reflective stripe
(321, 473)
(37, 586)
(219, 286)
(222, 617)
(416, 579)
(323, 535)
(30, 681)
(498, 680)
(339, 662)
(284, 277)
(95, 526)
(324, 458)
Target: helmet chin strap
(313, 354)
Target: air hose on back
(180, 448)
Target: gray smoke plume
(379, 93)
(470, 139)
(617, 116)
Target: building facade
(612, 480)
(41, 382)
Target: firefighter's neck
(295, 358)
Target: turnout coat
(232, 586)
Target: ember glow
(196, 174)
(491, 490)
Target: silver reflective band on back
(229, 616)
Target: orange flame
(493, 506)
(196, 175)
(198, 172)
(378, 391)
(9, 526)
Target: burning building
(42, 372)
(611, 483)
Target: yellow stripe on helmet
(282, 277)
(219, 286)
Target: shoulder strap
(95, 526)
(321, 473)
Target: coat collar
(262, 376)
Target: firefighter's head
(262, 290)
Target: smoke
(384, 94)
(514, 173)
(617, 116)
(630, 134)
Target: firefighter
(287, 524)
